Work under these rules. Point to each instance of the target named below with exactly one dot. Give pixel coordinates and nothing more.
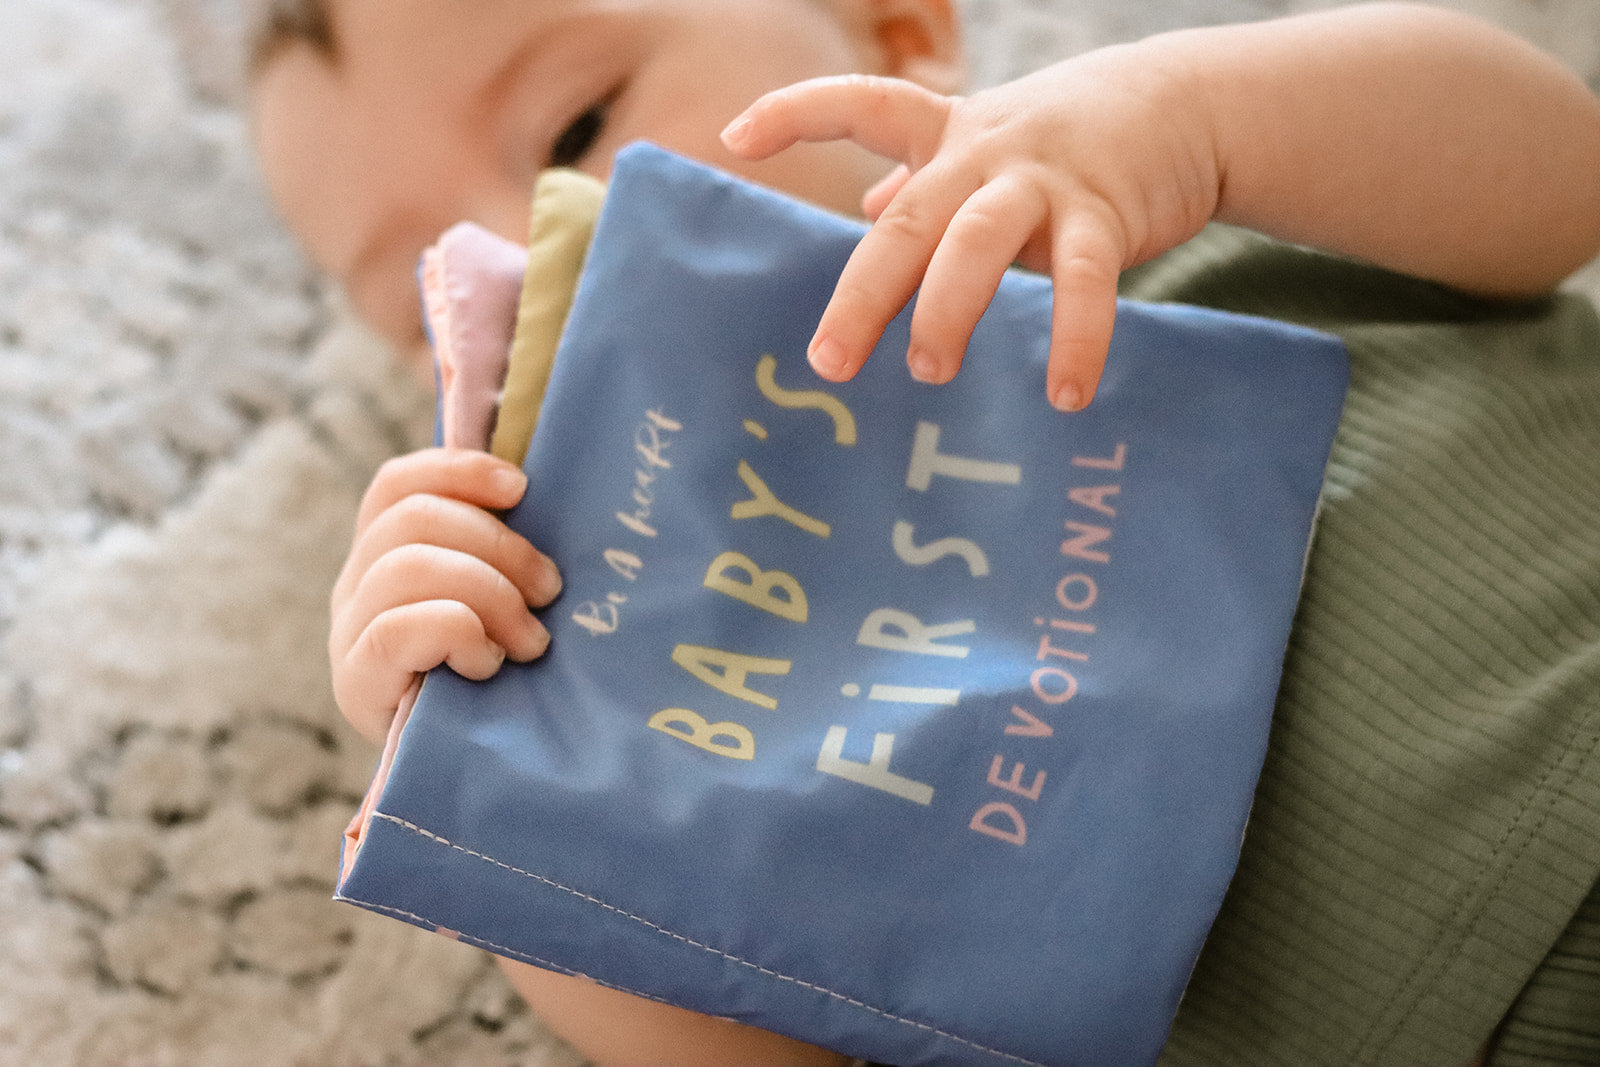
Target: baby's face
(438, 111)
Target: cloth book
(919, 722)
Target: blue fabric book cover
(921, 722)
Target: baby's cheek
(417, 358)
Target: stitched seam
(1546, 797)
(801, 983)
(497, 949)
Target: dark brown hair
(284, 22)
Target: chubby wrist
(1176, 79)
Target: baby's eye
(578, 138)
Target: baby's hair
(284, 22)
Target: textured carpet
(186, 422)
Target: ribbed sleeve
(1557, 1017)
(1427, 826)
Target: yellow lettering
(762, 589)
(764, 502)
(844, 423)
(740, 743)
(727, 671)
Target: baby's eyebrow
(502, 79)
(281, 23)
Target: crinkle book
(920, 722)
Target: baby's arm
(1422, 140)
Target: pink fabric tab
(471, 283)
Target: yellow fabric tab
(565, 206)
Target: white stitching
(497, 949)
(686, 940)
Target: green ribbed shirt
(1420, 878)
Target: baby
(1407, 137)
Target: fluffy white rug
(187, 421)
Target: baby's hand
(1080, 170)
(433, 577)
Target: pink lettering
(1047, 649)
(1029, 724)
(1014, 784)
(1106, 463)
(1016, 834)
(1083, 544)
(1073, 581)
(1068, 690)
(1095, 497)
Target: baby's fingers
(884, 270)
(419, 606)
(414, 573)
(475, 477)
(977, 248)
(896, 119)
(424, 518)
(1086, 260)
(370, 679)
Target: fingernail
(537, 644)
(510, 481)
(484, 664)
(551, 583)
(827, 357)
(1068, 398)
(923, 367)
(736, 130)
